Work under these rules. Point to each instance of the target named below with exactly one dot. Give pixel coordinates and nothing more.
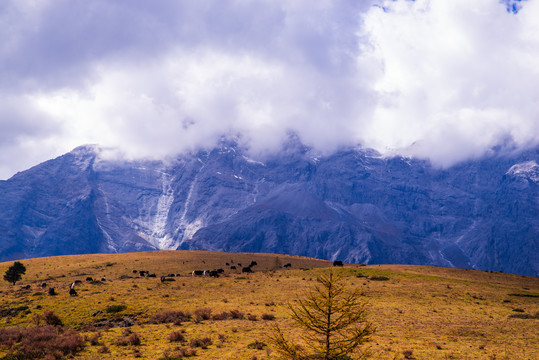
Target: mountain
(354, 205)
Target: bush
(176, 336)
(94, 339)
(132, 339)
(42, 341)
(202, 314)
(252, 317)
(201, 343)
(178, 353)
(222, 316)
(379, 278)
(115, 308)
(236, 314)
(175, 317)
(51, 318)
(258, 345)
(268, 317)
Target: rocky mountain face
(354, 206)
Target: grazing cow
(103, 279)
(220, 271)
(89, 279)
(197, 273)
(52, 291)
(227, 264)
(213, 273)
(171, 275)
(178, 275)
(239, 264)
(143, 273)
(135, 271)
(338, 263)
(253, 263)
(233, 267)
(44, 285)
(152, 275)
(246, 269)
(287, 265)
(72, 292)
(78, 281)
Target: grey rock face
(353, 205)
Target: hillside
(420, 312)
(353, 205)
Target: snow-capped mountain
(354, 205)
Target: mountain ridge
(353, 205)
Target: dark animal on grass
(239, 264)
(197, 273)
(220, 271)
(143, 272)
(152, 275)
(337, 263)
(233, 267)
(214, 273)
(72, 292)
(103, 279)
(171, 275)
(286, 266)
(163, 278)
(135, 271)
(227, 264)
(89, 279)
(78, 281)
(253, 263)
(52, 291)
(44, 285)
(246, 269)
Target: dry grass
(420, 312)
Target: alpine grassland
(148, 305)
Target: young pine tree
(332, 323)
(13, 274)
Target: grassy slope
(437, 313)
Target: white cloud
(441, 79)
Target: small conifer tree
(332, 322)
(13, 274)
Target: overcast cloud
(438, 79)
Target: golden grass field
(420, 312)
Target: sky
(434, 79)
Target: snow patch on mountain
(528, 169)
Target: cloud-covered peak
(445, 80)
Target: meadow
(419, 312)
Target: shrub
(39, 342)
(178, 353)
(524, 316)
(115, 308)
(268, 317)
(379, 278)
(51, 318)
(222, 316)
(201, 343)
(258, 345)
(236, 314)
(175, 317)
(132, 339)
(202, 314)
(176, 336)
(252, 317)
(408, 354)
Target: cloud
(433, 79)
